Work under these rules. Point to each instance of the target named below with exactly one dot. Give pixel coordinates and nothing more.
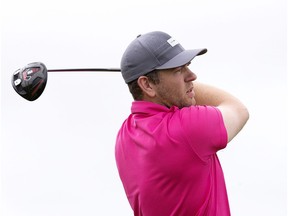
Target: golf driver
(30, 81)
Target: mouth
(190, 93)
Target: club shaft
(85, 69)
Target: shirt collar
(147, 107)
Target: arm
(234, 113)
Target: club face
(30, 81)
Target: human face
(176, 87)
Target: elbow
(245, 114)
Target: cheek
(175, 89)
(166, 92)
(172, 88)
(173, 94)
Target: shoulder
(204, 119)
(199, 113)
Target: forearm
(210, 95)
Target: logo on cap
(172, 42)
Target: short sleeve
(203, 129)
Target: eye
(179, 70)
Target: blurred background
(57, 153)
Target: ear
(146, 86)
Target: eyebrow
(177, 68)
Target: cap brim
(182, 58)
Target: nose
(190, 75)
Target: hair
(135, 89)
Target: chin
(188, 104)
(193, 103)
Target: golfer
(166, 150)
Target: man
(166, 149)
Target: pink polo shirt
(167, 160)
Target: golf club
(30, 81)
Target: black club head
(30, 81)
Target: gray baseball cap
(154, 50)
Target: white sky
(57, 153)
